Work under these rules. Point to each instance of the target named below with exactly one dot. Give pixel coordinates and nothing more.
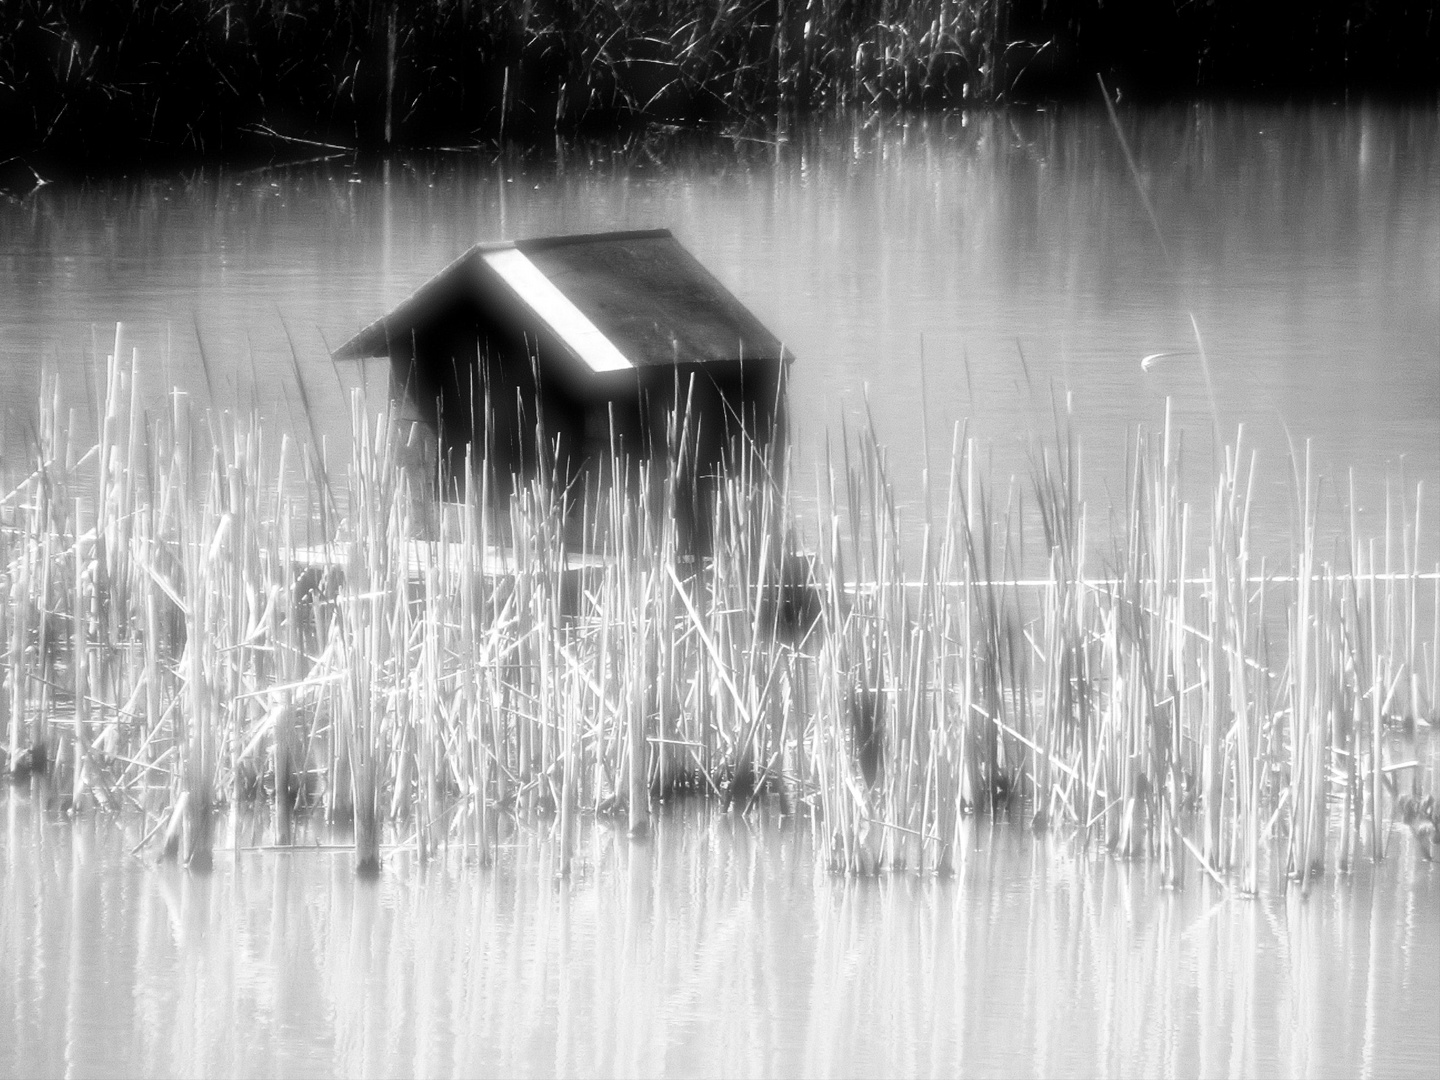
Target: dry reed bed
(172, 642)
(93, 84)
(90, 85)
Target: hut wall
(471, 377)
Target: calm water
(1306, 245)
(715, 948)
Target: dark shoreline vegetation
(199, 622)
(89, 87)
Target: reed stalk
(167, 640)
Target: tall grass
(97, 85)
(104, 82)
(187, 632)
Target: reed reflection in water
(715, 947)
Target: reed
(175, 639)
(219, 78)
(97, 85)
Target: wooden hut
(591, 340)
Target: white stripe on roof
(556, 310)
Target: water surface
(889, 255)
(715, 948)
(910, 264)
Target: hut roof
(615, 300)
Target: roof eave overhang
(379, 337)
